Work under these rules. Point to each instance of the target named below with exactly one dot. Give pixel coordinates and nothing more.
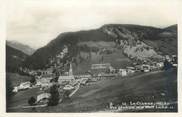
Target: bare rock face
(131, 43)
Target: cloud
(37, 22)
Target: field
(149, 87)
(16, 79)
(116, 59)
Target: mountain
(118, 44)
(21, 47)
(14, 59)
(172, 28)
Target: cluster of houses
(22, 86)
(67, 82)
(107, 71)
(71, 82)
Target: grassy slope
(21, 99)
(40, 58)
(97, 96)
(116, 59)
(16, 79)
(14, 59)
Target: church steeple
(70, 70)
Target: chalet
(43, 98)
(24, 85)
(47, 76)
(68, 87)
(74, 82)
(43, 82)
(153, 67)
(175, 64)
(174, 60)
(112, 70)
(47, 71)
(100, 68)
(167, 57)
(138, 67)
(104, 75)
(146, 68)
(15, 89)
(83, 76)
(174, 57)
(123, 72)
(83, 81)
(130, 70)
(66, 78)
(160, 64)
(32, 73)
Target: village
(69, 83)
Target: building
(153, 67)
(43, 82)
(83, 76)
(69, 77)
(138, 67)
(130, 70)
(104, 75)
(83, 81)
(160, 64)
(24, 85)
(43, 97)
(15, 89)
(68, 87)
(48, 71)
(66, 78)
(167, 57)
(174, 60)
(100, 68)
(123, 72)
(146, 68)
(112, 70)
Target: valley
(89, 71)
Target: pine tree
(53, 101)
(31, 101)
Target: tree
(33, 80)
(31, 101)
(167, 65)
(54, 79)
(9, 88)
(66, 94)
(54, 100)
(9, 92)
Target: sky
(37, 22)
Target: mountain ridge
(150, 39)
(14, 59)
(21, 47)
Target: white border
(2, 79)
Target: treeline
(14, 59)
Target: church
(69, 77)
